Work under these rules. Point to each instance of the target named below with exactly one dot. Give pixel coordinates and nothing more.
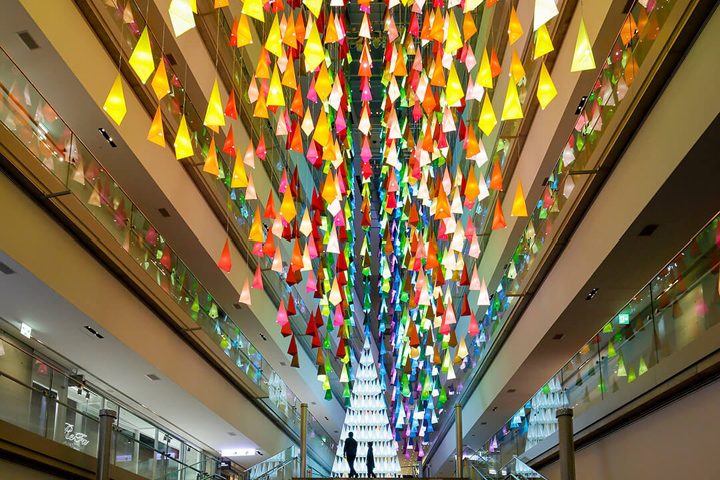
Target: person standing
(350, 451)
(370, 461)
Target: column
(458, 441)
(107, 418)
(566, 445)
(303, 440)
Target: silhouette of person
(370, 461)
(350, 451)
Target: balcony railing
(679, 305)
(40, 398)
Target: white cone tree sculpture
(368, 420)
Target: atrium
(279, 239)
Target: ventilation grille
(28, 40)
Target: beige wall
(13, 471)
(677, 441)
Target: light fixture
(238, 452)
(25, 330)
(592, 294)
(107, 137)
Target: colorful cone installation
(367, 419)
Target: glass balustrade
(41, 398)
(679, 305)
(26, 114)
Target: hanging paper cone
(141, 60)
(156, 133)
(498, 217)
(114, 104)
(225, 262)
(245, 293)
(519, 209)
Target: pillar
(458, 441)
(303, 440)
(566, 445)
(107, 418)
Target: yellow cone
(453, 90)
(314, 6)
(487, 120)
(273, 44)
(314, 52)
(546, 88)
(275, 97)
(244, 37)
(512, 110)
(214, 115)
(141, 59)
(114, 104)
(484, 75)
(254, 9)
(519, 209)
(543, 43)
(183, 144)
(583, 56)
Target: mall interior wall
(676, 441)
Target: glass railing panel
(88, 181)
(517, 470)
(40, 398)
(676, 308)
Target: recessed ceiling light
(581, 105)
(107, 137)
(5, 269)
(94, 332)
(28, 40)
(152, 377)
(592, 294)
(648, 230)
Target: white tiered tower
(368, 420)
